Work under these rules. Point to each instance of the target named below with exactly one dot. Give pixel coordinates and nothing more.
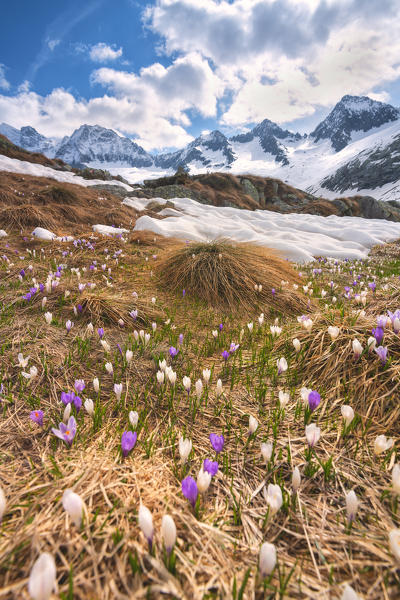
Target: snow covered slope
(298, 237)
(21, 166)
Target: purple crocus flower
(217, 442)
(210, 466)
(233, 347)
(372, 286)
(133, 314)
(382, 353)
(100, 331)
(22, 273)
(37, 417)
(314, 399)
(180, 339)
(128, 441)
(273, 292)
(79, 385)
(189, 490)
(71, 398)
(225, 355)
(173, 351)
(66, 432)
(378, 335)
(183, 293)
(220, 326)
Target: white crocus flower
(351, 505)
(185, 448)
(23, 362)
(266, 451)
(187, 383)
(160, 377)
(297, 345)
(273, 497)
(253, 425)
(96, 385)
(267, 559)
(43, 578)
(89, 406)
(333, 332)
(74, 506)
(296, 479)
(168, 532)
(118, 390)
(109, 368)
(283, 398)
(203, 480)
(349, 593)
(394, 543)
(206, 375)
(199, 388)
(48, 317)
(219, 387)
(313, 433)
(347, 413)
(396, 478)
(357, 348)
(128, 356)
(146, 524)
(382, 443)
(133, 418)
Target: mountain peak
(350, 114)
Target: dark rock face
(368, 170)
(353, 113)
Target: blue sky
(163, 71)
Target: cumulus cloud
(282, 59)
(188, 83)
(59, 113)
(102, 52)
(4, 84)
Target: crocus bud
(133, 418)
(67, 412)
(333, 332)
(273, 497)
(118, 390)
(349, 593)
(109, 368)
(382, 443)
(297, 345)
(347, 413)
(96, 385)
(219, 387)
(199, 388)
(206, 375)
(394, 543)
(203, 480)
(296, 479)
(282, 365)
(146, 524)
(49, 317)
(42, 579)
(250, 327)
(187, 383)
(253, 425)
(185, 447)
(44, 302)
(357, 348)
(128, 356)
(74, 506)
(351, 505)
(266, 451)
(89, 406)
(168, 532)
(283, 398)
(267, 560)
(313, 434)
(3, 503)
(396, 478)
(90, 328)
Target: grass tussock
(111, 308)
(224, 274)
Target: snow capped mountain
(353, 114)
(29, 139)
(96, 146)
(211, 151)
(271, 138)
(355, 149)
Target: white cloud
(282, 59)
(4, 84)
(59, 113)
(101, 52)
(24, 86)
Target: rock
(250, 189)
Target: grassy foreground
(322, 541)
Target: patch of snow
(298, 237)
(108, 230)
(21, 166)
(44, 234)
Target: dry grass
(224, 274)
(108, 558)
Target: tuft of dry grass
(224, 274)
